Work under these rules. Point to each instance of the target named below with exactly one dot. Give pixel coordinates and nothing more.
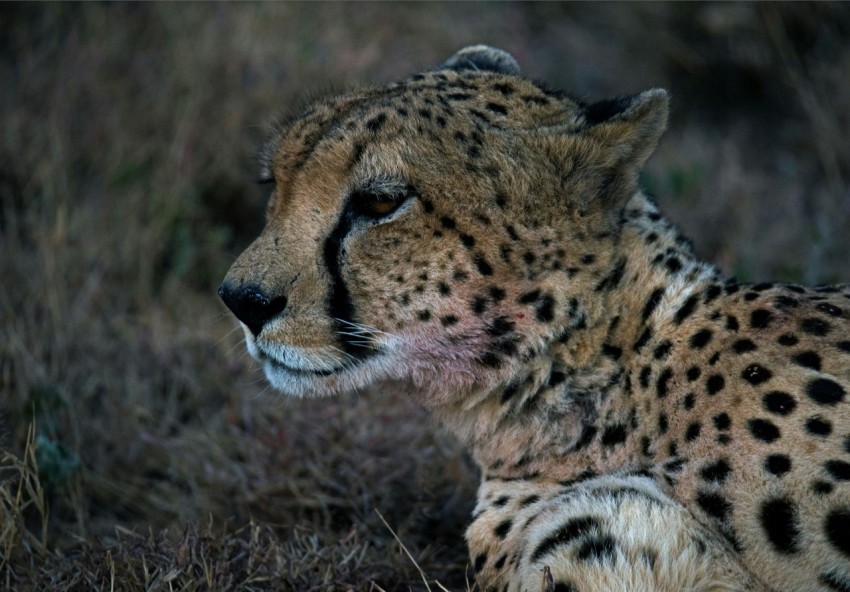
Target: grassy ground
(139, 446)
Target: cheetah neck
(572, 409)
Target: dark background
(139, 445)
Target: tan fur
(479, 243)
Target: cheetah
(478, 243)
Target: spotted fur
(477, 242)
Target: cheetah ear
(482, 57)
(602, 159)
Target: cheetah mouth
(281, 366)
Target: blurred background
(140, 448)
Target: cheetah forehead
(458, 98)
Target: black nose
(251, 306)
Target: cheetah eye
(377, 205)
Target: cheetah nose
(250, 305)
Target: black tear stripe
(339, 305)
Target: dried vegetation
(139, 447)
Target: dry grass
(139, 447)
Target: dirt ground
(140, 448)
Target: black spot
(597, 549)
(529, 297)
(693, 373)
(731, 323)
(479, 562)
(692, 433)
(779, 402)
(586, 437)
(508, 393)
(700, 338)
(716, 471)
(764, 430)
(837, 530)
(570, 531)
(490, 359)
(449, 320)
(673, 264)
(756, 374)
(588, 259)
(556, 378)
(662, 350)
(645, 445)
(688, 401)
(814, 326)
(612, 351)
(722, 421)
(786, 302)
(835, 581)
(788, 340)
(500, 326)
(497, 108)
(482, 265)
(824, 391)
(713, 504)
(714, 358)
(504, 88)
(712, 293)
(644, 337)
(377, 122)
(661, 386)
(444, 289)
(478, 305)
(643, 379)
(545, 309)
(686, 310)
(531, 499)
(779, 521)
(760, 318)
(822, 487)
(652, 303)
(663, 423)
(613, 435)
(829, 309)
(715, 384)
(501, 501)
(777, 464)
(843, 346)
(500, 562)
(612, 280)
(743, 345)
(808, 359)
(448, 222)
(817, 426)
(838, 469)
(674, 466)
(750, 296)
(496, 293)
(564, 587)
(467, 240)
(501, 531)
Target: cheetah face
(419, 233)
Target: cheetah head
(427, 233)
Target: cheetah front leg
(617, 533)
